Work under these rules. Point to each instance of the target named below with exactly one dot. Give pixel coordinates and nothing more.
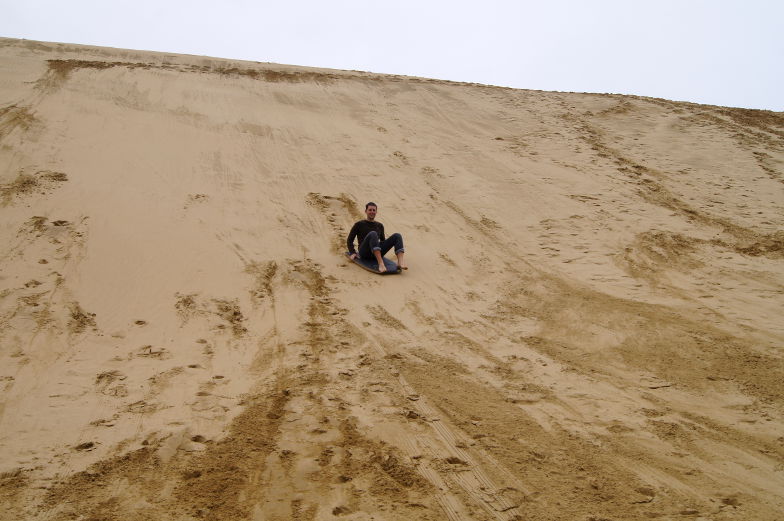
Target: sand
(590, 328)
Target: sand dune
(591, 327)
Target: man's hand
(353, 256)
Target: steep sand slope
(591, 327)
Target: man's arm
(350, 241)
(381, 235)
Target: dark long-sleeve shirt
(360, 230)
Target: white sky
(719, 52)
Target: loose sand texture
(590, 329)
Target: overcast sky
(719, 52)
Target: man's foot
(401, 262)
(380, 260)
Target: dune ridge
(590, 329)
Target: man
(372, 243)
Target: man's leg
(371, 248)
(395, 240)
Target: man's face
(370, 211)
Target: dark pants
(372, 243)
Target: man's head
(370, 210)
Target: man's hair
(371, 203)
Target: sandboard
(372, 265)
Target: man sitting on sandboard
(372, 243)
